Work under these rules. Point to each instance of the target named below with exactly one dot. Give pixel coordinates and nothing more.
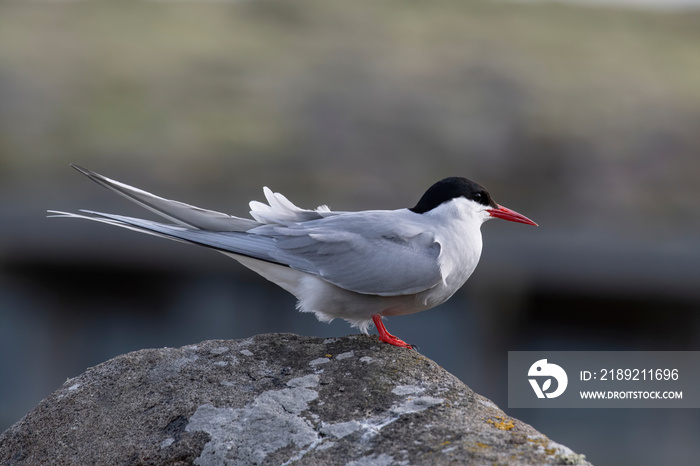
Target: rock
(273, 399)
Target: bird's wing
(178, 212)
(372, 252)
(363, 252)
(279, 210)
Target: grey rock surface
(273, 399)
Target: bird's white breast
(458, 231)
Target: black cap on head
(451, 188)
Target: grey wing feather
(178, 212)
(256, 246)
(280, 210)
(361, 252)
(382, 264)
(358, 251)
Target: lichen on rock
(273, 399)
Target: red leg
(387, 337)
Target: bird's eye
(480, 197)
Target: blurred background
(584, 116)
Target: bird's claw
(387, 337)
(392, 340)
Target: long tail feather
(178, 212)
(241, 243)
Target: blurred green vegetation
(329, 95)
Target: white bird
(357, 266)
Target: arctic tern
(357, 266)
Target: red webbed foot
(387, 337)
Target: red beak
(507, 214)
